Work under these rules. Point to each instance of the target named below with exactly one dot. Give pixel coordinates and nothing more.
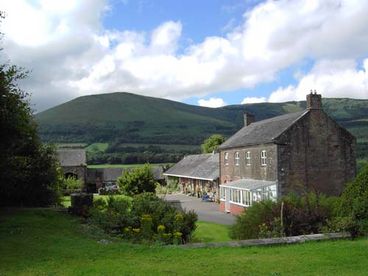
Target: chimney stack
(314, 101)
(248, 119)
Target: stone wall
(255, 170)
(78, 171)
(315, 154)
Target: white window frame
(263, 158)
(226, 158)
(248, 158)
(237, 158)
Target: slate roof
(249, 184)
(199, 166)
(262, 132)
(71, 157)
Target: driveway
(206, 211)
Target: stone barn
(293, 153)
(73, 163)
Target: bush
(354, 204)
(137, 181)
(112, 214)
(289, 216)
(70, 185)
(171, 186)
(144, 218)
(247, 224)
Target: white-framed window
(263, 158)
(247, 158)
(236, 157)
(235, 196)
(226, 158)
(222, 193)
(246, 199)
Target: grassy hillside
(46, 242)
(121, 119)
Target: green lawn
(211, 232)
(46, 242)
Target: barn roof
(199, 166)
(71, 157)
(262, 132)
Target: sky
(201, 52)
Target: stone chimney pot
(248, 119)
(314, 100)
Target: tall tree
(212, 143)
(28, 169)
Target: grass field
(97, 147)
(46, 242)
(124, 166)
(211, 232)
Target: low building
(197, 174)
(73, 162)
(98, 177)
(293, 153)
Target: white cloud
(70, 54)
(337, 78)
(250, 100)
(212, 102)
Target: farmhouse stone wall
(315, 154)
(255, 170)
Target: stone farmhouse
(293, 153)
(197, 174)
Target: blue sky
(208, 52)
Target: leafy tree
(354, 203)
(137, 181)
(212, 143)
(28, 169)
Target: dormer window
(247, 158)
(263, 158)
(226, 158)
(236, 157)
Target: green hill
(125, 120)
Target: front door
(227, 200)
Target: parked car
(109, 188)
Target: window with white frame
(236, 158)
(247, 158)
(246, 200)
(263, 158)
(226, 158)
(222, 193)
(235, 196)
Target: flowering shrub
(144, 218)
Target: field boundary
(272, 241)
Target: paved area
(206, 211)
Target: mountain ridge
(123, 117)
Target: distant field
(166, 146)
(96, 147)
(47, 242)
(71, 145)
(125, 166)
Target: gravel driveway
(206, 211)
